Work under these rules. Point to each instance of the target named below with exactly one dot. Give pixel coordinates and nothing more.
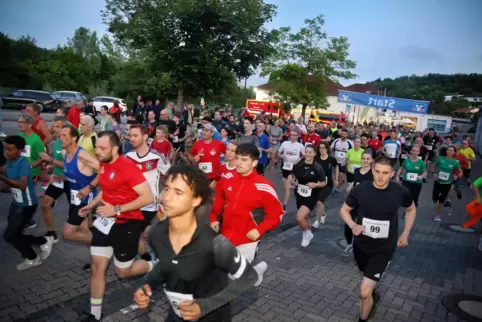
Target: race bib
(428, 147)
(176, 298)
(206, 167)
(74, 199)
(288, 166)
(58, 184)
(303, 190)
(375, 228)
(391, 153)
(175, 139)
(404, 156)
(340, 156)
(274, 142)
(443, 175)
(104, 224)
(149, 141)
(412, 176)
(420, 158)
(17, 195)
(26, 152)
(354, 167)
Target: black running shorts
(372, 264)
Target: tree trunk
(303, 112)
(180, 95)
(245, 82)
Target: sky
(388, 38)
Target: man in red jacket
(249, 206)
(74, 115)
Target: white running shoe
(307, 237)
(29, 263)
(260, 268)
(348, 249)
(46, 248)
(323, 219)
(316, 224)
(2, 135)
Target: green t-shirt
(444, 168)
(354, 160)
(57, 155)
(413, 170)
(478, 184)
(32, 150)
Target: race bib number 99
(176, 298)
(375, 228)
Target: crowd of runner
(167, 164)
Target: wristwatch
(92, 187)
(117, 210)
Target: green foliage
(304, 61)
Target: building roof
(362, 88)
(472, 110)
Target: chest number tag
(303, 191)
(376, 228)
(74, 199)
(206, 167)
(17, 195)
(26, 152)
(288, 166)
(176, 298)
(412, 176)
(443, 175)
(104, 224)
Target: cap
(209, 127)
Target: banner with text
(389, 103)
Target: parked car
(109, 102)
(64, 97)
(22, 97)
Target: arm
(228, 259)
(272, 208)
(410, 214)
(89, 160)
(36, 151)
(346, 216)
(477, 192)
(219, 202)
(400, 172)
(44, 129)
(144, 198)
(19, 184)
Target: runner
(311, 137)
(275, 135)
(249, 206)
(39, 126)
(329, 165)
(153, 165)
(430, 143)
(33, 147)
(248, 136)
(376, 228)
(469, 153)
(412, 172)
(80, 171)
(57, 186)
(228, 168)
(119, 223)
(442, 170)
(340, 147)
(18, 180)
(264, 147)
(194, 260)
(161, 144)
(87, 135)
(309, 178)
(353, 161)
(392, 147)
(291, 153)
(477, 187)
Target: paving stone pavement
(314, 283)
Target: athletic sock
(151, 265)
(96, 307)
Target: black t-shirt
(182, 132)
(328, 166)
(2, 155)
(171, 125)
(377, 211)
(360, 177)
(374, 152)
(305, 172)
(430, 141)
(324, 133)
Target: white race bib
(26, 152)
(303, 190)
(274, 142)
(428, 147)
(404, 156)
(443, 175)
(17, 195)
(340, 156)
(58, 184)
(412, 176)
(420, 158)
(391, 152)
(376, 228)
(288, 166)
(176, 298)
(175, 139)
(354, 167)
(104, 224)
(206, 167)
(74, 199)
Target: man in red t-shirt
(374, 142)
(311, 137)
(74, 115)
(119, 223)
(206, 153)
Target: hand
(215, 226)
(142, 296)
(312, 185)
(84, 211)
(420, 178)
(106, 210)
(197, 157)
(253, 235)
(402, 241)
(44, 156)
(84, 192)
(190, 310)
(357, 229)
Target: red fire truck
(254, 107)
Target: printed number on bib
(58, 184)
(206, 167)
(175, 139)
(177, 298)
(412, 176)
(443, 175)
(74, 199)
(391, 154)
(17, 195)
(288, 166)
(340, 155)
(304, 191)
(404, 156)
(354, 167)
(376, 228)
(104, 224)
(428, 147)
(26, 152)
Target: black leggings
(414, 189)
(18, 217)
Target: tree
(202, 44)
(305, 61)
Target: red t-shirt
(163, 147)
(117, 181)
(464, 162)
(374, 144)
(74, 116)
(210, 156)
(311, 138)
(225, 171)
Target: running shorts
(74, 218)
(350, 177)
(286, 173)
(342, 168)
(308, 202)
(466, 173)
(122, 242)
(325, 193)
(55, 192)
(148, 216)
(372, 265)
(440, 191)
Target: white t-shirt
(339, 149)
(292, 152)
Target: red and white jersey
(152, 165)
(225, 171)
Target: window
(107, 100)
(437, 125)
(17, 94)
(68, 95)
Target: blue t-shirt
(15, 170)
(264, 143)
(392, 147)
(222, 154)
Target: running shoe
(31, 224)
(46, 248)
(376, 300)
(29, 263)
(86, 267)
(323, 219)
(87, 317)
(53, 236)
(316, 224)
(307, 236)
(348, 249)
(437, 218)
(260, 268)
(447, 203)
